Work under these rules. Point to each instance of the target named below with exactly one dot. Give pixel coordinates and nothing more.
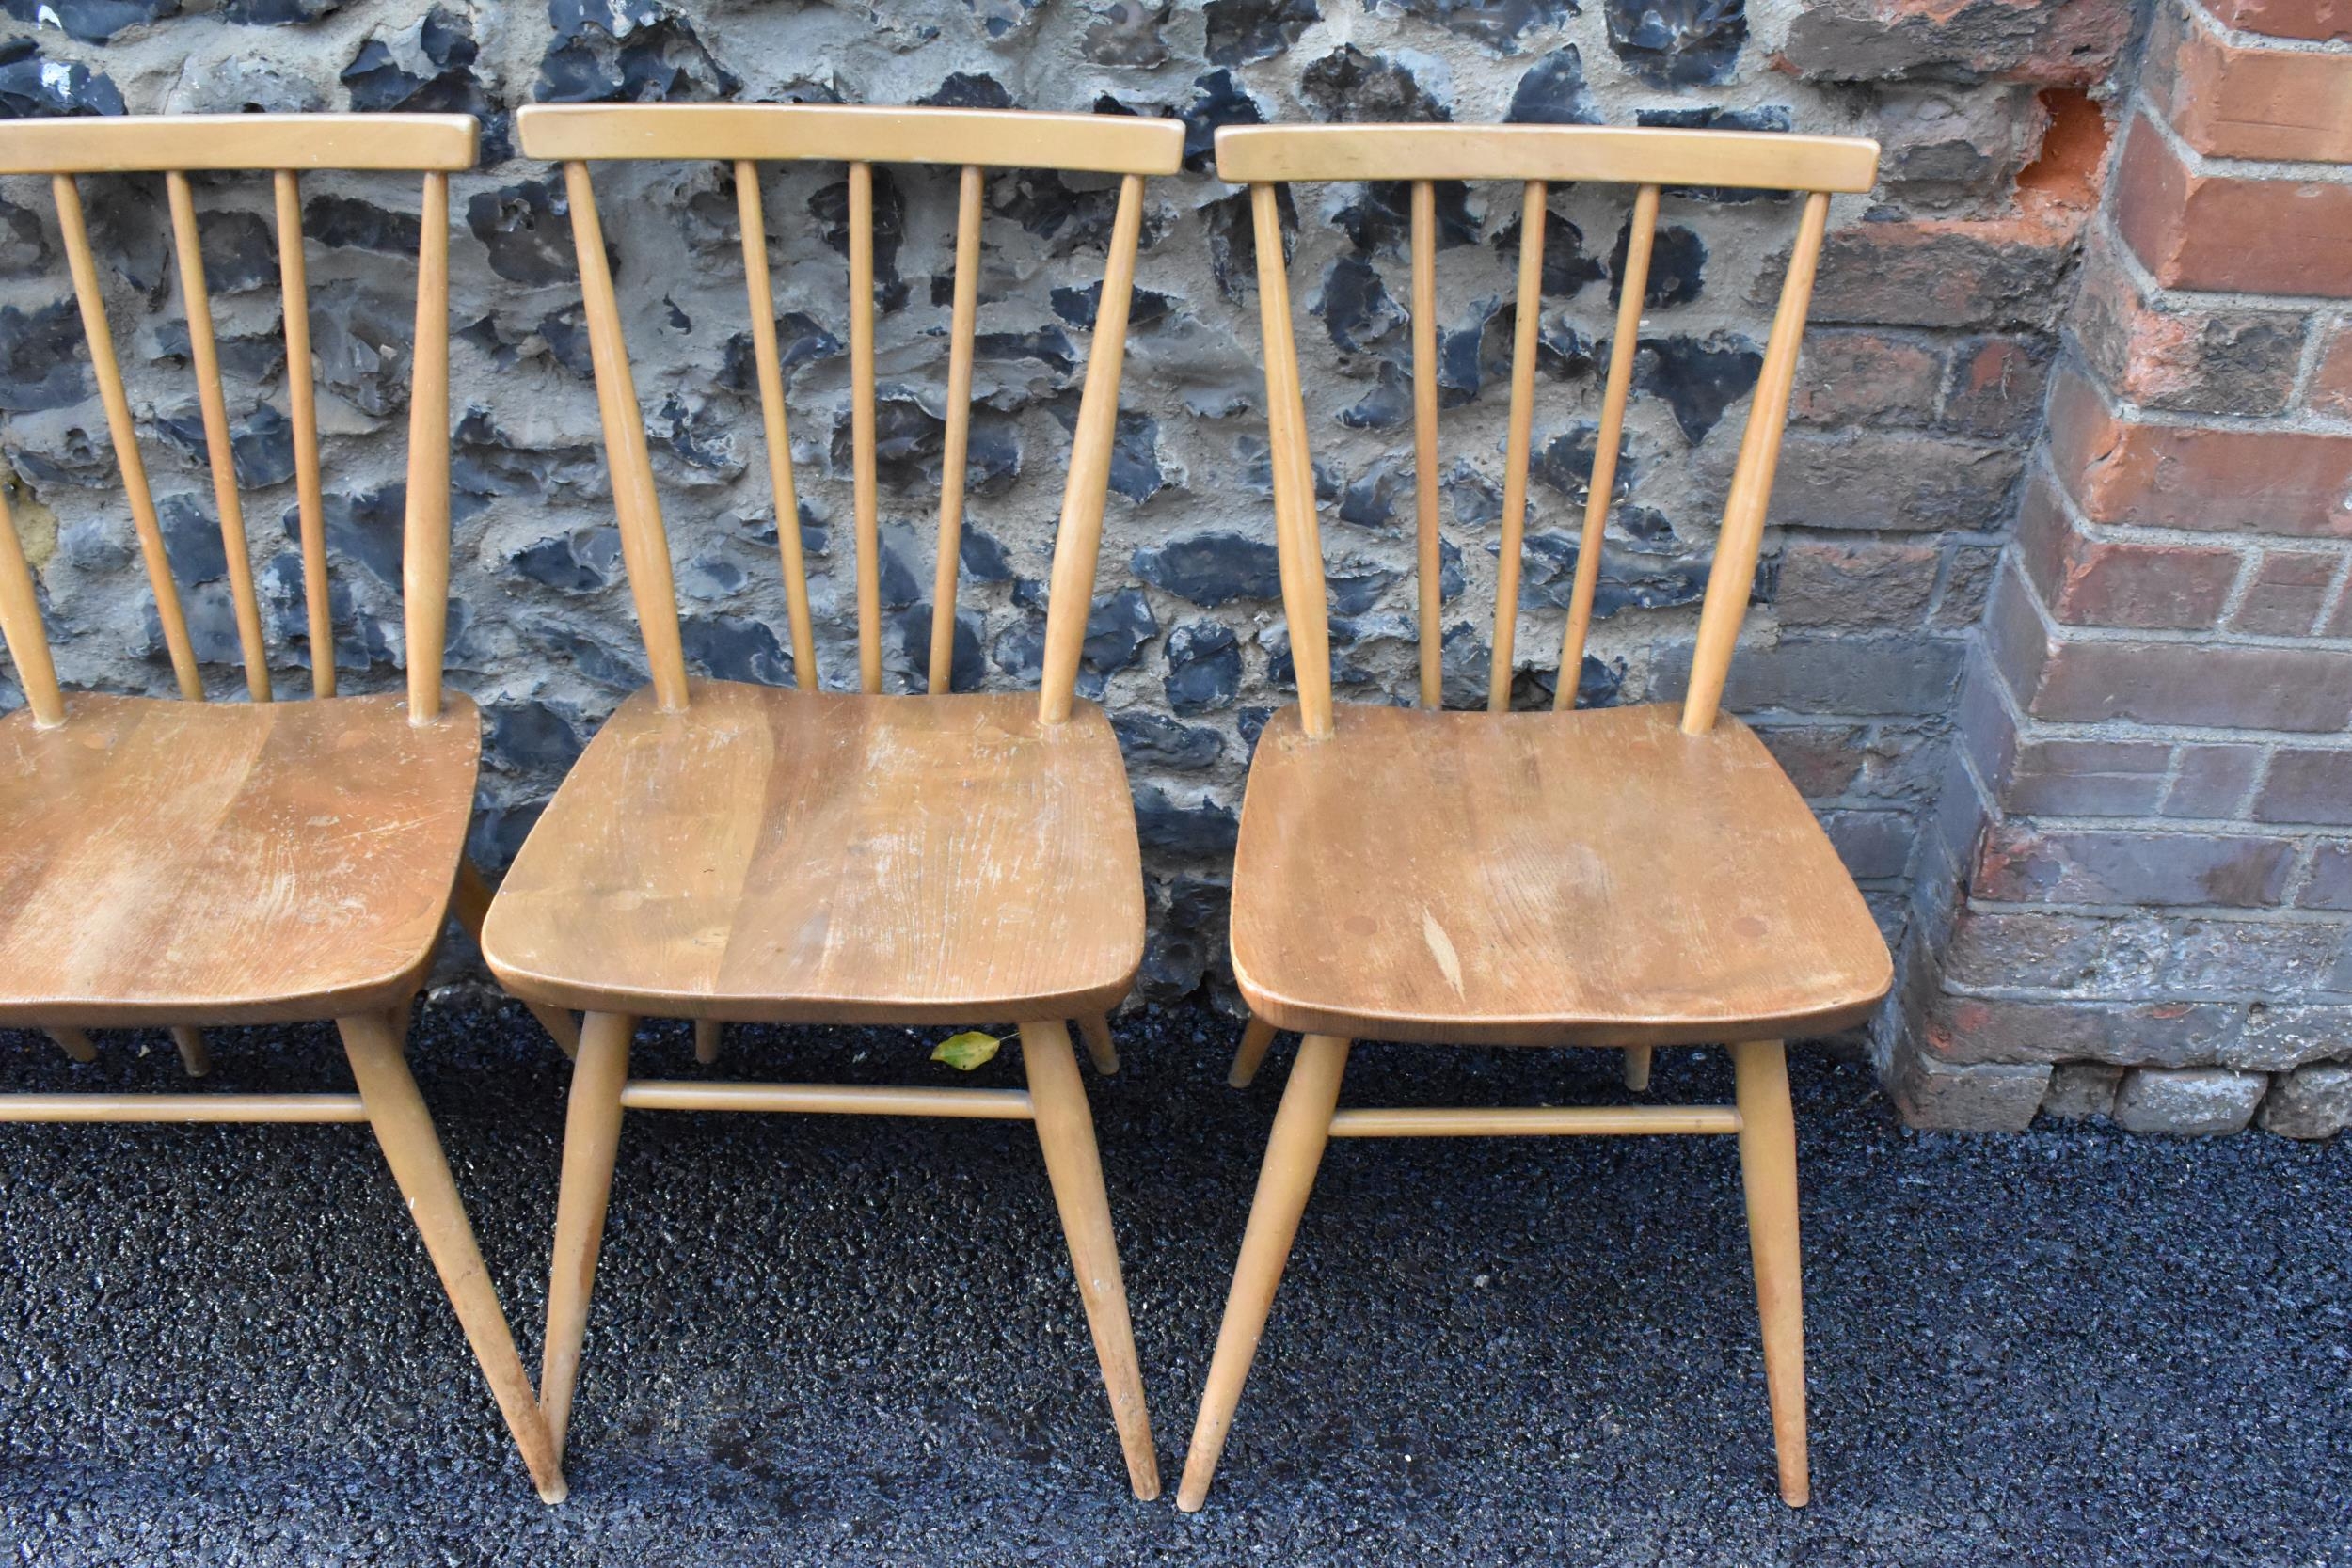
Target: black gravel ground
(857, 1341)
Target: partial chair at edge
(1625, 877)
(180, 863)
(734, 852)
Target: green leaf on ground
(966, 1051)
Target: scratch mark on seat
(1441, 947)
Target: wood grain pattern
(993, 138)
(133, 144)
(1541, 879)
(1755, 160)
(174, 862)
(787, 856)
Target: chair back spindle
(1427, 578)
(123, 433)
(1742, 534)
(1536, 158)
(20, 624)
(971, 141)
(1641, 237)
(285, 145)
(778, 437)
(217, 451)
(310, 496)
(424, 545)
(865, 500)
(962, 330)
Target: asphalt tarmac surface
(856, 1341)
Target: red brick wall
(2144, 854)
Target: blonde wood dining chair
(1627, 878)
(732, 852)
(182, 863)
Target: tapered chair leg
(1256, 1035)
(1301, 1127)
(1065, 1132)
(1096, 1029)
(592, 1138)
(706, 1035)
(403, 1129)
(470, 903)
(74, 1043)
(1637, 1068)
(195, 1056)
(1767, 1170)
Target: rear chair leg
(706, 1035)
(1768, 1169)
(74, 1043)
(404, 1128)
(1255, 1037)
(194, 1054)
(1637, 1068)
(1301, 1127)
(1096, 1028)
(470, 904)
(592, 1138)
(1065, 1132)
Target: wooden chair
(186, 862)
(1627, 878)
(735, 853)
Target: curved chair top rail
(283, 146)
(1753, 160)
(1654, 161)
(772, 133)
(143, 144)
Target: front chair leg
(1301, 1127)
(1096, 1030)
(404, 1128)
(592, 1138)
(1256, 1035)
(1767, 1170)
(1065, 1133)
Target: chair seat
(178, 863)
(783, 856)
(1540, 879)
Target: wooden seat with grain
(1629, 878)
(730, 852)
(182, 863)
